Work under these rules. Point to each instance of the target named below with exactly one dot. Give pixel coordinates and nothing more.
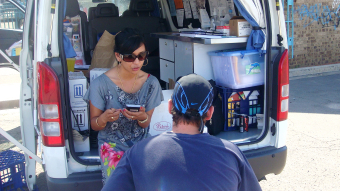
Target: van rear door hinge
(273, 129)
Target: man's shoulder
(152, 138)
(226, 144)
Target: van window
(122, 5)
(10, 16)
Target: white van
(45, 101)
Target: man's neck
(185, 129)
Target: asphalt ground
(313, 135)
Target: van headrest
(142, 5)
(107, 10)
(72, 8)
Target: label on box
(223, 29)
(253, 68)
(77, 89)
(244, 28)
(79, 117)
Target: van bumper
(267, 160)
(76, 182)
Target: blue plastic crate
(245, 105)
(12, 171)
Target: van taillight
(283, 82)
(49, 107)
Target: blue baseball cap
(193, 95)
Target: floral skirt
(110, 155)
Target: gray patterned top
(105, 94)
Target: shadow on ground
(304, 93)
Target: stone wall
(316, 33)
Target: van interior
(148, 16)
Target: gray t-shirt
(105, 94)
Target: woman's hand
(139, 115)
(110, 115)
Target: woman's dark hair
(128, 40)
(178, 117)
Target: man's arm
(121, 178)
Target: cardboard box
(79, 116)
(81, 145)
(259, 119)
(77, 88)
(85, 72)
(95, 72)
(223, 29)
(161, 120)
(239, 27)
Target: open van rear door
(28, 91)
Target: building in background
(316, 33)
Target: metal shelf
(176, 36)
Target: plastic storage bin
(12, 171)
(238, 68)
(237, 103)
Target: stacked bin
(248, 104)
(238, 71)
(12, 171)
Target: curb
(300, 72)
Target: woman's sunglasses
(131, 57)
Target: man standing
(185, 159)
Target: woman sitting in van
(122, 100)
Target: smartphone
(133, 108)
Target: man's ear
(210, 113)
(170, 105)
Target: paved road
(313, 137)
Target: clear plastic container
(238, 68)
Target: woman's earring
(147, 62)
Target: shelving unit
(182, 55)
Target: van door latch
(273, 129)
(279, 39)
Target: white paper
(172, 7)
(244, 28)
(180, 17)
(194, 9)
(187, 9)
(204, 18)
(228, 7)
(231, 8)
